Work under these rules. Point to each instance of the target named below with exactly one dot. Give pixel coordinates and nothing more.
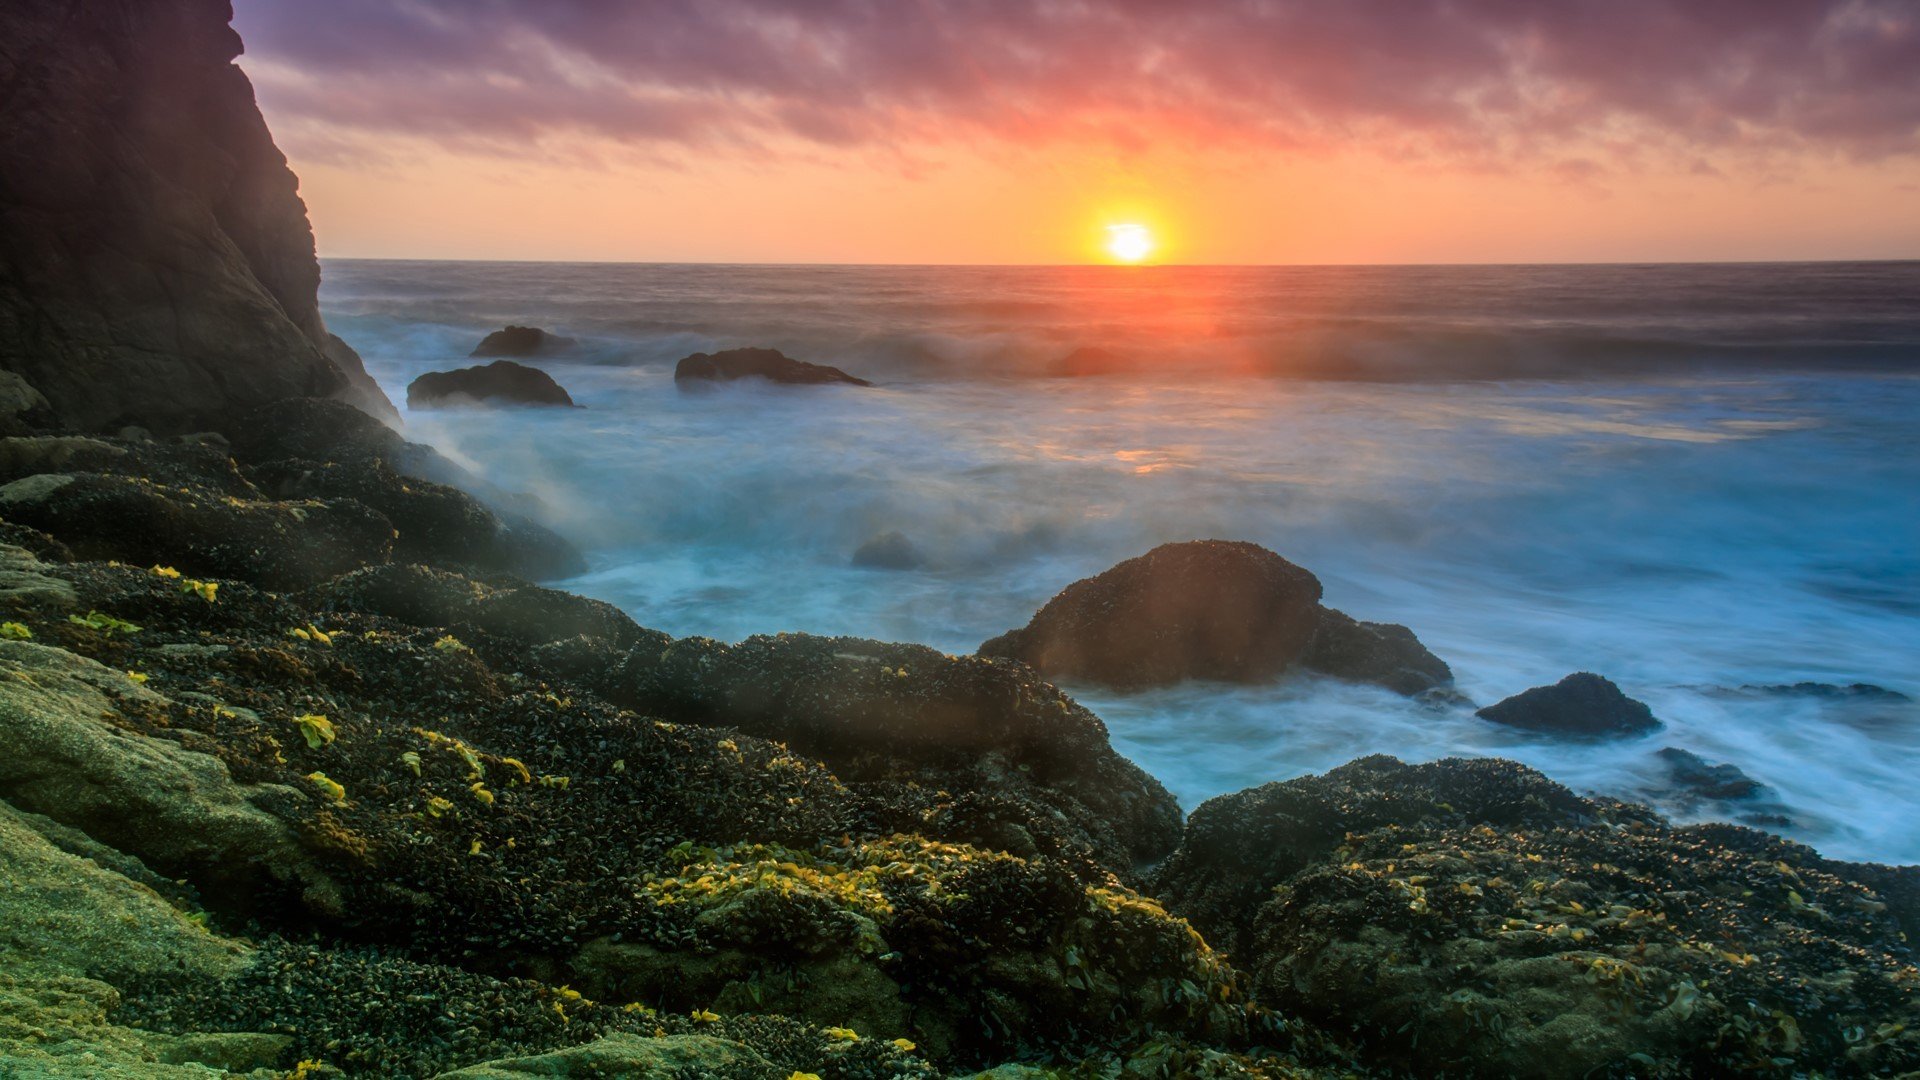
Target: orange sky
(1505, 145)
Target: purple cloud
(1485, 80)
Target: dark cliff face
(156, 264)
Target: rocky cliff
(156, 264)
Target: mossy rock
(667, 1058)
(177, 810)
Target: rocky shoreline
(305, 775)
(264, 773)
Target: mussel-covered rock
(874, 710)
(1477, 919)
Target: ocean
(1700, 481)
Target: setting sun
(1129, 243)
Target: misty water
(1698, 481)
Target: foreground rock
(156, 265)
(1474, 918)
(769, 364)
(521, 341)
(749, 888)
(1211, 609)
(501, 382)
(1582, 704)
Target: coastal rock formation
(501, 382)
(1581, 704)
(693, 867)
(156, 265)
(769, 364)
(521, 341)
(1475, 918)
(1210, 609)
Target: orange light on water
(1129, 243)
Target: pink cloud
(1483, 80)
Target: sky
(990, 131)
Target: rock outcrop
(770, 364)
(1582, 704)
(1211, 609)
(1475, 918)
(502, 382)
(521, 341)
(156, 265)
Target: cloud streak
(1475, 81)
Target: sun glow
(1129, 243)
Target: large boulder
(1210, 609)
(521, 341)
(769, 364)
(156, 265)
(1476, 919)
(501, 382)
(1582, 704)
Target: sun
(1129, 243)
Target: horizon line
(1894, 260)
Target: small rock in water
(1580, 704)
(889, 551)
(502, 381)
(521, 341)
(770, 364)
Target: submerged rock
(1210, 609)
(501, 382)
(1581, 704)
(1475, 918)
(889, 551)
(769, 364)
(1693, 786)
(521, 341)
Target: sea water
(1699, 481)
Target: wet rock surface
(1211, 609)
(1582, 704)
(770, 364)
(502, 382)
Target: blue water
(1690, 479)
